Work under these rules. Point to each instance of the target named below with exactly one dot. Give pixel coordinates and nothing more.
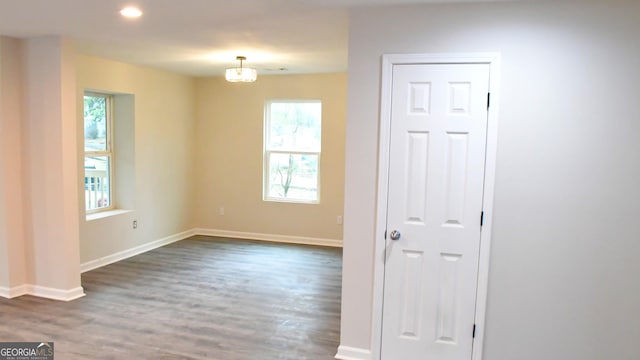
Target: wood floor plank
(200, 298)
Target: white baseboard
(68, 295)
(42, 291)
(350, 353)
(57, 294)
(15, 291)
(125, 254)
(269, 237)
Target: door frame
(388, 62)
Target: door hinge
(488, 99)
(481, 218)
(385, 234)
(474, 331)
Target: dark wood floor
(200, 298)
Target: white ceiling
(199, 37)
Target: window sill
(290, 201)
(105, 214)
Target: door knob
(395, 235)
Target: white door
(436, 177)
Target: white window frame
(108, 152)
(267, 152)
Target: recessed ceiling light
(131, 12)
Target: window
(98, 152)
(292, 138)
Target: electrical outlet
(221, 210)
(339, 220)
(135, 224)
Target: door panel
(436, 177)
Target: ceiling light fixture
(241, 74)
(131, 12)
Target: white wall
(158, 144)
(51, 200)
(44, 236)
(13, 269)
(563, 278)
(39, 240)
(230, 119)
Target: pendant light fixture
(241, 74)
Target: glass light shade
(131, 12)
(241, 74)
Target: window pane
(293, 177)
(95, 123)
(97, 184)
(294, 126)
